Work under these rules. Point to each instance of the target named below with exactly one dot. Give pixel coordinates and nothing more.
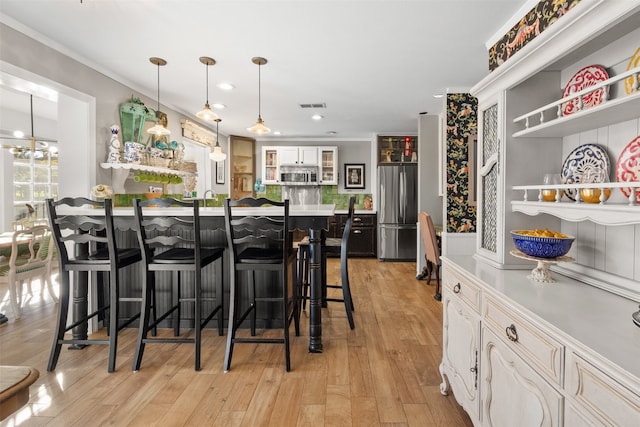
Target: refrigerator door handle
(403, 196)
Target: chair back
(257, 230)
(344, 247)
(34, 243)
(82, 221)
(429, 238)
(179, 228)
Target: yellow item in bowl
(542, 233)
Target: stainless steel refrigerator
(398, 212)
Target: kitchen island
(313, 218)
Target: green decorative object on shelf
(133, 117)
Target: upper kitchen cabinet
(397, 149)
(307, 156)
(242, 164)
(532, 119)
(329, 165)
(270, 165)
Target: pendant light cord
(31, 103)
(259, 91)
(158, 66)
(207, 79)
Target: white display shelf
(547, 121)
(120, 173)
(604, 213)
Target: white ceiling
(376, 64)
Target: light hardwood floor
(383, 373)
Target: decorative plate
(628, 166)
(586, 163)
(588, 76)
(633, 63)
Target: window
(35, 178)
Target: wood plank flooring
(383, 373)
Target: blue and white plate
(586, 163)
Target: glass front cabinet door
(270, 172)
(328, 165)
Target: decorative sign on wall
(198, 134)
(545, 13)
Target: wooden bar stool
(170, 242)
(96, 251)
(334, 246)
(260, 243)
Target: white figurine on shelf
(114, 146)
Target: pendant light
(158, 129)
(34, 142)
(217, 155)
(259, 127)
(206, 113)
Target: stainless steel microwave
(298, 176)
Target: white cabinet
(513, 394)
(328, 165)
(270, 165)
(524, 135)
(519, 353)
(325, 159)
(307, 156)
(461, 344)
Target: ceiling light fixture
(34, 143)
(226, 86)
(217, 155)
(206, 113)
(317, 117)
(259, 127)
(158, 129)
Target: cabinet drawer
(531, 343)
(604, 398)
(462, 287)
(364, 220)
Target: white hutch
(518, 352)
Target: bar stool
(260, 242)
(170, 242)
(89, 225)
(330, 246)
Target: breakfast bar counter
(313, 218)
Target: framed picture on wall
(220, 172)
(354, 175)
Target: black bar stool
(260, 243)
(330, 246)
(170, 242)
(96, 251)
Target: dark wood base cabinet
(362, 242)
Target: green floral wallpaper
(462, 121)
(545, 13)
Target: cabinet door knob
(357, 219)
(357, 231)
(456, 289)
(512, 334)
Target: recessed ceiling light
(332, 132)
(226, 86)
(18, 134)
(219, 106)
(438, 95)
(277, 132)
(317, 117)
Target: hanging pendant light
(158, 129)
(206, 113)
(217, 155)
(35, 143)
(259, 127)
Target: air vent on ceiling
(318, 105)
